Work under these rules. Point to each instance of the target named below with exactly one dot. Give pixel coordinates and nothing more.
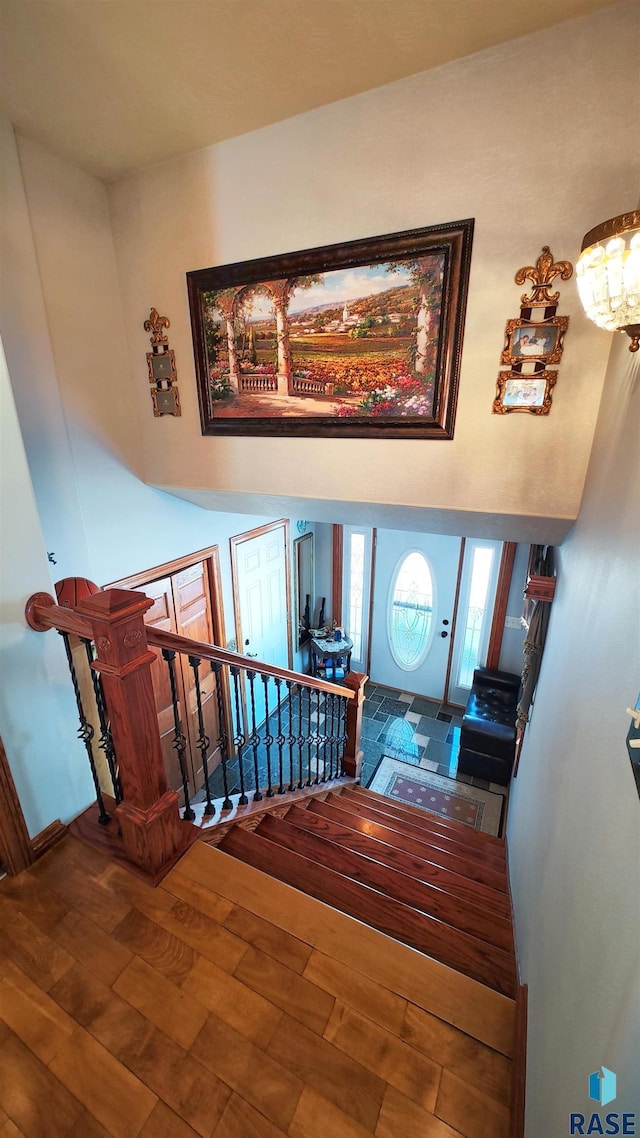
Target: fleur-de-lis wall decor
(155, 324)
(161, 363)
(533, 341)
(542, 275)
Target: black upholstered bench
(488, 734)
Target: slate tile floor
(413, 729)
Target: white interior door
(413, 604)
(262, 618)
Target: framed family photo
(524, 392)
(524, 339)
(361, 339)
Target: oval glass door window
(411, 611)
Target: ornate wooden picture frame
(361, 339)
(529, 392)
(526, 339)
(162, 366)
(532, 341)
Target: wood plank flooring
(227, 1004)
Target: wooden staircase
(432, 884)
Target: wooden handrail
(177, 643)
(42, 614)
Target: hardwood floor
(224, 1003)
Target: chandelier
(608, 275)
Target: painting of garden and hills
(356, 342)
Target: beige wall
(574, 833)
(530, 138)
(36, 698)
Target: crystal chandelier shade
(608, 276)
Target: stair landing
(439, 1043)
(225, 1004)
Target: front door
(413, 606)
(261, 597)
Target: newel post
(152, 831)
(352, 761)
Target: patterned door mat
(479, 809)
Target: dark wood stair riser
(424, 898)
(456, 949)
(423, 832)
(425, 849)
(473, 892)
(475, 839)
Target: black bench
(488, 734)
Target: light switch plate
(513, 622)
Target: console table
(337, 652)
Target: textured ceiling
(116, 85)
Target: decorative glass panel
(410, 611)
(356, 593)
(480, 575)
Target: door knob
(444, 635)
(252, 655)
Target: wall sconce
(608, 275)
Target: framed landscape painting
(357, 340)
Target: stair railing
(287, 730)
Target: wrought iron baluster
(105, 741)
(322, 731)
(317, 737)
(329, 730)
(254, 738)
(268, 738)
(179, 739)
(239, 737)
(204, 741)
(280, 738)
(85, 731)
(223, 741)
(291, 737)
(300, 738)
(337, 736)
(343, 738)
(309, 737)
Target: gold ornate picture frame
(162, 366)
(533, 340)
(528, 339)
(530, 392)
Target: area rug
(479, 809)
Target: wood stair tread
(473, 892)
(425, 831)
(360, 866)
(456, 999)
(459, 950)
(476, 839)
(429, 848)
